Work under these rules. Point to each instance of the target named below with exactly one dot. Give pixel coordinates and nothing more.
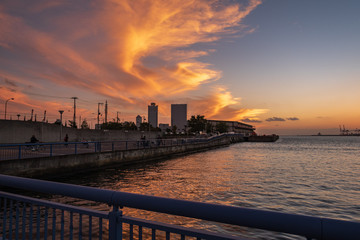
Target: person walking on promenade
(66, 139)
(33, 139)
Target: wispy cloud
(248, 120)
(275, 119)
(293, 119)
(129, 51)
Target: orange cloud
(158, 28)
(220, 104)
(129, 51)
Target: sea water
(309, 175)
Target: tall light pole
(74, 119)
(106, 111)
(98, 114)
(61, 113)
(6, 104)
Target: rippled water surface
(317, 176)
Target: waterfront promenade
(48, 158)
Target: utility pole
(98, 115)
(74, 119)
(61, 113)
(117, 117)
(106, 111)
(44, 116)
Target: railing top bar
(268, 220)
(149, 139)
(42, 144)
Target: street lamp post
(61, 113)
(6, 105)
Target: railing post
(51, 150)
(126, 145)
(115, 224)
(19, 155)
(75, 148)
(112, 146)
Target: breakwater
(100, 156)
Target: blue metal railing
(35, 150)
(18, 210)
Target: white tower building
(138, 121)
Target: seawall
(13, 131)
(83, 162)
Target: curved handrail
(310, 227)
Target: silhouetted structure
(138, 121)
(234, 126)
(179, 117)
(153, 115)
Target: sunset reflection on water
(303, 175)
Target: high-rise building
(138, 121)
(179, 116)
(153, 115)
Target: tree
(197, 124)
(57, 122)
(129, 126)
(174, 129)
(84, 125)
(147, 127)
(221, 127)
(209, 128)
(144, 126)
(72, 124)
(112, 126)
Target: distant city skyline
(286, 67)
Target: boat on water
(262, 138)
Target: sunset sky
(284, 66)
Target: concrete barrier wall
(13, 131)
(88, 161)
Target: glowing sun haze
(128, 52)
